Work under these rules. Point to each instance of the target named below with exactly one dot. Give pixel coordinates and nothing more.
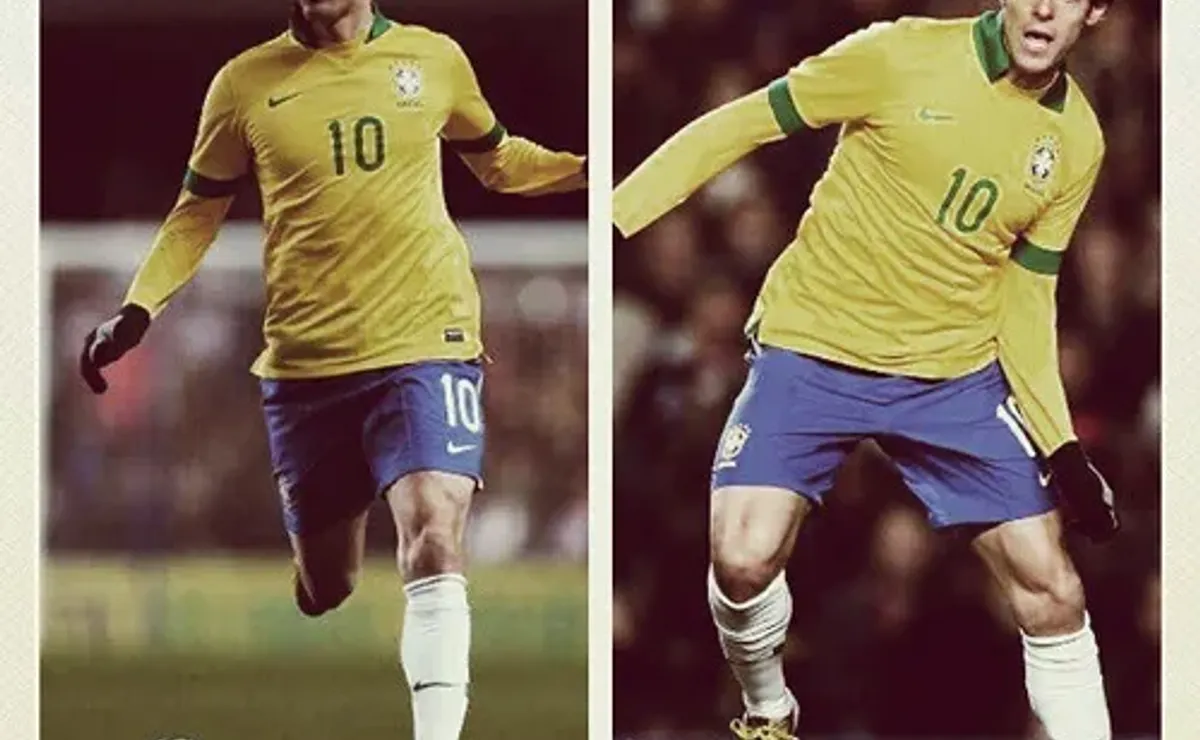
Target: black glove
(109, 342)
(1086, 498)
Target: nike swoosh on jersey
(932, 116)
(454, 449)
(275, 102)
(422, 685)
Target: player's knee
(742, 568)
(1050, 602)
(434, 550)
(323, 591)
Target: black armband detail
(205, 187)
(485, 143)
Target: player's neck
(1034, 83)
(344, 29)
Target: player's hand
(109, 342)
(1086, 498)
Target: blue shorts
(338, 443)
(958, 443)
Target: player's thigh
(961, 449)
(752, 530)
(1030, 563)
(324, 479)
(791, 426)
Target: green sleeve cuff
(1036, 259)
(784, 107)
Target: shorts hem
(813, 498)
(969, 521)
(395, 474)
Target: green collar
(303, 33)
(379, 26)
(993, 57)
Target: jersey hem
(266, 371)
(925, 369)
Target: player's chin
(1034, 65)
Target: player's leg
(963, 452)
(752, 532)
(426, 443)
(786, 435)
(1062, 663)
(327, 564)
(325, 484)
(430, 511)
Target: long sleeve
(219, 160)
(846, 82)
(520, 166)
(183, 239)
(1028, 338)
(697, 153)
(1028, 345)
(502, 162)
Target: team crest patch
(408, 82)
(1043, 160)
(734, 441)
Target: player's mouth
(1036, 42)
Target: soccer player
(915, 306)
(371, 375)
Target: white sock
(752, 636)
(435, 646)
(1065, 686)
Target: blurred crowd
(174, 458)
(898, 631)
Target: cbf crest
(408, 82)
(1043, 161)
(731, 445)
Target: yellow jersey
(943, 170)
(363, 265)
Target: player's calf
(1062, 664)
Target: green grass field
(206, 698)
(208, 650)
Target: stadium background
(896, 633)
(166, 590)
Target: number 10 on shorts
(462, 403)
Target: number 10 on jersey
(974, 207)
(367, 140)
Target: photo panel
(840, 362)
(341, 478)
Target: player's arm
(503, 162)
(219, 160)
(844, 83)
(1028, 344)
